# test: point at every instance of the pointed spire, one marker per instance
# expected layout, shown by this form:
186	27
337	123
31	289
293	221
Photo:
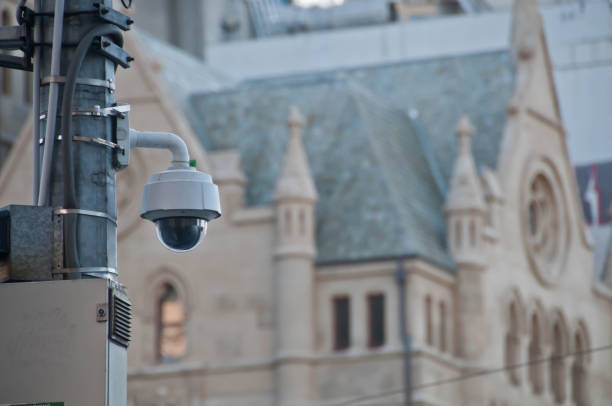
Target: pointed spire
465	190
295	180
464	131
295	120
526	27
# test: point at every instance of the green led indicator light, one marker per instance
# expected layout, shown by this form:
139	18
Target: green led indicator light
192	163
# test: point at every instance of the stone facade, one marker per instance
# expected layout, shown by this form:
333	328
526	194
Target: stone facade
499	265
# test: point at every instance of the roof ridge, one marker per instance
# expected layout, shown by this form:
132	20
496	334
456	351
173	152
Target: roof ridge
414	117
362	92
410	213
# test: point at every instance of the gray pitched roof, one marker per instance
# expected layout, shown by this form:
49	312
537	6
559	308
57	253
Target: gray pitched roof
380	174
181	72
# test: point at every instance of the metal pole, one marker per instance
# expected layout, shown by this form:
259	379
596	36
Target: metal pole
400	279
34	245
89	241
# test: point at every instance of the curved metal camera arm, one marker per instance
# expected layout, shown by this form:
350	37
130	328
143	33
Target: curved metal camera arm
180	200
161	140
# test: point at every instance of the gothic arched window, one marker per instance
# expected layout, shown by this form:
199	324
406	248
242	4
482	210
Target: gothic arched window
302	221
536	371
171	342
342	322
443	322
428	321
472	234
579	372
557	365
288	228
513	345
458	232
376	320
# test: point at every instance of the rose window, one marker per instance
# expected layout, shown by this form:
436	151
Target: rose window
544	223
542	219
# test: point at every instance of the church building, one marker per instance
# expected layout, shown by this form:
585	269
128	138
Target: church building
428	202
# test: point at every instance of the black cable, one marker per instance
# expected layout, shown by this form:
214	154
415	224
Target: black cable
128	5
470	376
70	201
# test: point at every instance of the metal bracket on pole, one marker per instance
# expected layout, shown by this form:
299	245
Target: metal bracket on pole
13	37
95	271
94	140
88	270
114	52
16	62
109	84
121	127
103	12
114	17
85	213
97	111
18	37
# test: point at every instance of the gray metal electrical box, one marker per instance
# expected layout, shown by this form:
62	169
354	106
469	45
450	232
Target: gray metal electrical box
27	236
64	343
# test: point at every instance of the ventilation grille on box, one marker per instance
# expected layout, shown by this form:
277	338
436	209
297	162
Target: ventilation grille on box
120	319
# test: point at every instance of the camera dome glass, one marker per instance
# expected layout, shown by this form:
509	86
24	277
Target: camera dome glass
180	234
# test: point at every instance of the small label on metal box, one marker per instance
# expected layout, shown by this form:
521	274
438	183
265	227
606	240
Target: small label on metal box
101	312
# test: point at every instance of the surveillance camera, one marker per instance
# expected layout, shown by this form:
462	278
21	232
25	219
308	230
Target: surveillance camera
180	201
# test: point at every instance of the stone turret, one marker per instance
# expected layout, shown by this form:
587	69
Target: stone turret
295	196
465	218
465	206
295	180
295	250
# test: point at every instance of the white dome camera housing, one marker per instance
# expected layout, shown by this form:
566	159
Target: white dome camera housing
180	201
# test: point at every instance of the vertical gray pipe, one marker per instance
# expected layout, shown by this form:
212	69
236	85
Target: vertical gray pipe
56	53
400	279
36	107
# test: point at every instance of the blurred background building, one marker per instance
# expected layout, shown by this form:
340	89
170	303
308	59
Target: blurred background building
178	22
462	143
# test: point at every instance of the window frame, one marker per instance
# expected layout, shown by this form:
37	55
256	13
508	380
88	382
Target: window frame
443	333
160	326
336	327
369	300
429	328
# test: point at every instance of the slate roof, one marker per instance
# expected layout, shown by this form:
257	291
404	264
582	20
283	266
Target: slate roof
182	73
380	172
